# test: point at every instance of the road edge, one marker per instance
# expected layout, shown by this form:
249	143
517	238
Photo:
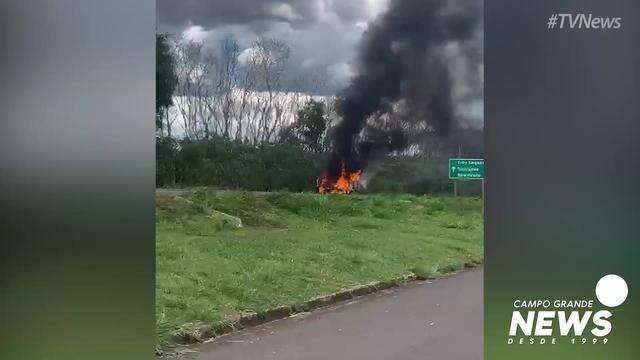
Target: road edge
199	333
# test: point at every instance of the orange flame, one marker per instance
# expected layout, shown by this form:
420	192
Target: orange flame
345	184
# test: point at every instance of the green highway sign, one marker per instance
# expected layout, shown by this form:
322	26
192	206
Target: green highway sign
466	169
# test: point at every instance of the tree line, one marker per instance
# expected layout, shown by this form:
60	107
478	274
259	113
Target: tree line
230	94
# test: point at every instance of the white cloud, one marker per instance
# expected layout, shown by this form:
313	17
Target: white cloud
375	7
284	11
341	73
246	55
195	33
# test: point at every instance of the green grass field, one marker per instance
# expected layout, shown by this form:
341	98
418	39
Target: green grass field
294	247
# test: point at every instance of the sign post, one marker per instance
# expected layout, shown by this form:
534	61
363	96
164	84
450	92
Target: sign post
467	169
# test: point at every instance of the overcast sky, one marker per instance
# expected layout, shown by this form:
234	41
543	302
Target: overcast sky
323	34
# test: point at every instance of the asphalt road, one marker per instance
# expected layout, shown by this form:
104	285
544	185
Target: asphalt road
440	319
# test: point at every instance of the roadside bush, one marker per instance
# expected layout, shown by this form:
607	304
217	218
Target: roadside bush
411	175
234	165
225	164
320	206
167	150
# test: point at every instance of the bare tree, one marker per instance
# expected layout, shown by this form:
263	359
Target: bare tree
220	96
268	61
193	68
224	82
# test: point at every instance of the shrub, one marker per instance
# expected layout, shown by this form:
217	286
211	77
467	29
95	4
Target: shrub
167	150
225	164
234	165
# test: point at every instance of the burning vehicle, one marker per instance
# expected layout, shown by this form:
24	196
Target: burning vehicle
346	183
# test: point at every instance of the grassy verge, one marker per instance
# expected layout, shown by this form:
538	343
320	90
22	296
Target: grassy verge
294	247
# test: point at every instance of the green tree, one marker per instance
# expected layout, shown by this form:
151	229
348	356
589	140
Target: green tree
166	78
309	127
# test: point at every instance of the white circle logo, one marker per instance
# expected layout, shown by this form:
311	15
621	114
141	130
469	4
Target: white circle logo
611	290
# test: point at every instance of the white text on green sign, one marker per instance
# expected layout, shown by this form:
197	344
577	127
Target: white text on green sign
460	169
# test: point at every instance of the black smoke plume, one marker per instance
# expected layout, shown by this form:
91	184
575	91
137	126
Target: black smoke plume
403	86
